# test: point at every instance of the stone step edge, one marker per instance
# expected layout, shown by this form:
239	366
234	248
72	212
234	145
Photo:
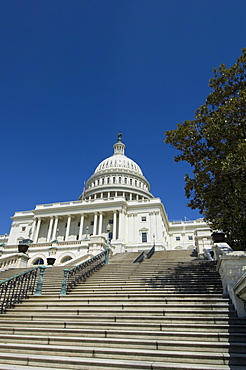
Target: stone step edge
147	365
97	351
216	320
65	324
155	342
108	332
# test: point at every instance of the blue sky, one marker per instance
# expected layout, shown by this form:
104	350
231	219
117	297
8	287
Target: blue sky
74	73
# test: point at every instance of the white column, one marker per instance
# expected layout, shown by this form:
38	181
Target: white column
130	196
68	227
115	225
121	224
50	229
37	230
95	224
156	225
100	223
81	225
55	228
33	229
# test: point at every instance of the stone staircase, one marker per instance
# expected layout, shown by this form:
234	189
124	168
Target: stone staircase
167	312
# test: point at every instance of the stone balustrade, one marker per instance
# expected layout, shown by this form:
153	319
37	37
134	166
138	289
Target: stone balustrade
17	260
232	268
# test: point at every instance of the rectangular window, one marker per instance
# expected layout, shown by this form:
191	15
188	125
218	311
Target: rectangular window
92	223
190	237
177	238
144	237
23	228
110	222
143	218
79	224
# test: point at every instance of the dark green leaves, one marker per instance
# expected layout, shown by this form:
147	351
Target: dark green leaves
214	143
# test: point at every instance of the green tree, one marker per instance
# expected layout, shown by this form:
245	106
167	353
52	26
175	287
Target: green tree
214	143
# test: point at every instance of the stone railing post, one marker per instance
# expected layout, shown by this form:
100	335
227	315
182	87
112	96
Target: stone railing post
40	281
64	283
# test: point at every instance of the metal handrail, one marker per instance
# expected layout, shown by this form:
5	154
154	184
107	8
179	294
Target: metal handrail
16	288
79	273
150	252
139	258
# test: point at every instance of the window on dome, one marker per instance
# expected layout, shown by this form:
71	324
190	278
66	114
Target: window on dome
130	181
136	182
125	180
108	180
119	180
144	237
113	180
102	181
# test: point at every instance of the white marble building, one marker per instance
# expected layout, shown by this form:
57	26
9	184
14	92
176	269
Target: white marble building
115	203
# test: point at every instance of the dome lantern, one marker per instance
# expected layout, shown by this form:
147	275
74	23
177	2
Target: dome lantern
119	147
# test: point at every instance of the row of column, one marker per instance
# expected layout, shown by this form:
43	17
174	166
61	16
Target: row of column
117	230
130	195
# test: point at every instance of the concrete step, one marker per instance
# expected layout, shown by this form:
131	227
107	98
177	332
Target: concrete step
135	343
121	333
154	315
136	354
76	363
122	317
231	326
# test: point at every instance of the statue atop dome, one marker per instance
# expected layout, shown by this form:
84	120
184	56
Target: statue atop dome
119	136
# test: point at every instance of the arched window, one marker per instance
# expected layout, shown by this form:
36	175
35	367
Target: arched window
65	259
38	261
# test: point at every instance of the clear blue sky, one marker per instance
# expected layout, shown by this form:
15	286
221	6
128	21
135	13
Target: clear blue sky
74	73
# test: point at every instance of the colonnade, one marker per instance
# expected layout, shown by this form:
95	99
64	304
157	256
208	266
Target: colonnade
87	223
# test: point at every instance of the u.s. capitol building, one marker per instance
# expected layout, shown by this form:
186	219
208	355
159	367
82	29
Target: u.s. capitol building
116	205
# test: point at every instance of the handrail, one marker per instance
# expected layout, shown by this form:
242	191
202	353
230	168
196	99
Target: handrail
150	252
139	258
16	288
79	273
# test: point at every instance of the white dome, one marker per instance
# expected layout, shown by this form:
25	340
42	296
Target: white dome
118	162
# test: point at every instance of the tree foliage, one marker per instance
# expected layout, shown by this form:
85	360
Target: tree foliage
214	143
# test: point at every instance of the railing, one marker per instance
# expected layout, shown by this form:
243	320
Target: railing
139	258
144	255
150	252
14	289
80	273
